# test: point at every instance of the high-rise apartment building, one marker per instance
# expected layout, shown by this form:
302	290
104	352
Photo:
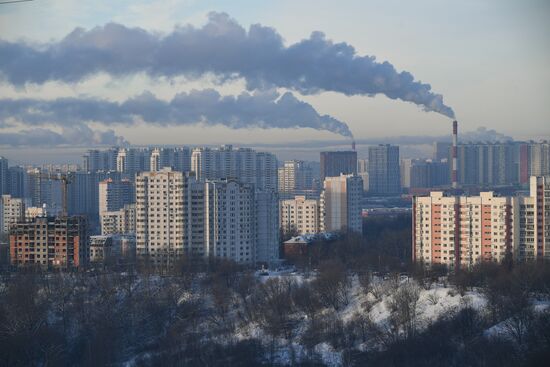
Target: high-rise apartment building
441	150
536	210
44	191
114	194
333	164
461	231
17	181
12	210
488	164
4	176
295	177
178	215
340	204
421	173
60	242
160	216
154	161
267	226
539	159
100	160
231	225
300	215
384	171
243	164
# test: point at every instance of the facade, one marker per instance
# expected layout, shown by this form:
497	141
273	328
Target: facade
177	215
160	216
384	171
155	162
4	176
421	173
340	204
488	164
17	181
333	164
122	221
230	214
12	210
300	216
441	150
44	191
294	177
100	160
461	231
60	242
267	226
243	164
114	194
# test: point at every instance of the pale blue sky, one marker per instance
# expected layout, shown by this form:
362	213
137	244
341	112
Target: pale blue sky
489	59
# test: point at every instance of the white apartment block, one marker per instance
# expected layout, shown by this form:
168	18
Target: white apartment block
461	231
160	216
154	160
12	210
340	204
532	234
230	221
300	215
242	164
121	221
179	215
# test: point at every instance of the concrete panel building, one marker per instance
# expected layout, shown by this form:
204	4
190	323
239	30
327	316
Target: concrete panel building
340	204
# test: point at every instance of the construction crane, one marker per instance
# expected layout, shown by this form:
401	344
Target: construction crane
65	179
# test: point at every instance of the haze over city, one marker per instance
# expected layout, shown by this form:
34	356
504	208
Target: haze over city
488	60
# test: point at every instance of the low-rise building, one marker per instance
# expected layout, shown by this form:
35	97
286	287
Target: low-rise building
50	242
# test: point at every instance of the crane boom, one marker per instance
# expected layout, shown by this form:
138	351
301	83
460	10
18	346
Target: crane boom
65	179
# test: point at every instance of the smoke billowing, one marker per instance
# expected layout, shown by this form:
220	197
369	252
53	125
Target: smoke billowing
223	48
260	109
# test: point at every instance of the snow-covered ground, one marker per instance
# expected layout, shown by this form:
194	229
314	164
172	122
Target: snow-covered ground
432	304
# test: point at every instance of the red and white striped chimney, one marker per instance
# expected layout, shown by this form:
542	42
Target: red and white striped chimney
454	177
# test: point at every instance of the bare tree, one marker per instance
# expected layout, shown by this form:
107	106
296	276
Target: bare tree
403	307
332	284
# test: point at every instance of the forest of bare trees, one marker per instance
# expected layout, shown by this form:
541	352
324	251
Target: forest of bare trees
228	315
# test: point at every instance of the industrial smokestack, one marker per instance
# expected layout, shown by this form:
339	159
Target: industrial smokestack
454	178
353	145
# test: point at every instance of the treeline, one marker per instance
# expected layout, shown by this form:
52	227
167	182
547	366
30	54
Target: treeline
385	246
230	316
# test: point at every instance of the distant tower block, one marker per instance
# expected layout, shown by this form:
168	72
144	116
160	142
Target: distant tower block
454	177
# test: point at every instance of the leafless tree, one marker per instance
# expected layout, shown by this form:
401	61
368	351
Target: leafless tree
403	307
332	284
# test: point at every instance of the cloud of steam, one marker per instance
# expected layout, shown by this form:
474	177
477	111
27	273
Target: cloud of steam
75	135
221	47
261	109
482	134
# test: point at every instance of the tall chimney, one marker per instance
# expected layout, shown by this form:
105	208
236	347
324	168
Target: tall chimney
454	177
353	145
